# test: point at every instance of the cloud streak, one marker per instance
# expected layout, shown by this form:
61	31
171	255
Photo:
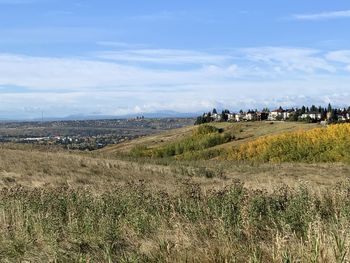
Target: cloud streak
323	15
164	56
290	59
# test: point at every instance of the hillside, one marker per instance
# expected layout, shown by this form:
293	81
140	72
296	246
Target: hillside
243	132
81	207
69	206
325	144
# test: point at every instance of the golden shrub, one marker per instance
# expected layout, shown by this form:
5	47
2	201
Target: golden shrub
326	144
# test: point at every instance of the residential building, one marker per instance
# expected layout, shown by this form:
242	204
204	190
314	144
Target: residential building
239	117
231	117
276	115
313	115
250	116
216	117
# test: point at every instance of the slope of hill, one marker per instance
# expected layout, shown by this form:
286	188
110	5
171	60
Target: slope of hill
240	133
80	207
325	144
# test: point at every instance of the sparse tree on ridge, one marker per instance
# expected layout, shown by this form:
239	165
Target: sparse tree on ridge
329	107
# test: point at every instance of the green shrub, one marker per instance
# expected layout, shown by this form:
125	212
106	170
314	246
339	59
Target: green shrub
202	138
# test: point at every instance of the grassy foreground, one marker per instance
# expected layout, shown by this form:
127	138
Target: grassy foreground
134	224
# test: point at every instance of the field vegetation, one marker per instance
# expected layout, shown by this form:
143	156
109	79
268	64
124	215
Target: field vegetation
134	224
112	206
326	144
203	137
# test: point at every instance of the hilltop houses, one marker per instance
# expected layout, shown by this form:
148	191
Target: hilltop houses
280	114
305	114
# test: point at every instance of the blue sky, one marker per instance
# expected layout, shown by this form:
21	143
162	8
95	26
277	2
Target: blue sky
120	57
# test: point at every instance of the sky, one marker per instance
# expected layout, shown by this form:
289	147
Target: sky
116	57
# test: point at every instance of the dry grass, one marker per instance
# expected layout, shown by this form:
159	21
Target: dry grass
37	168
58	206
245	131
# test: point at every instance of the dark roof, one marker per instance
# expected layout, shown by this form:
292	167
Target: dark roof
278	110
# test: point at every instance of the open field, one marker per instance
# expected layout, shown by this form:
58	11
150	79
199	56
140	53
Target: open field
69	206
38	168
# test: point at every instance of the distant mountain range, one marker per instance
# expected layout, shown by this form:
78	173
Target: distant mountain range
160	114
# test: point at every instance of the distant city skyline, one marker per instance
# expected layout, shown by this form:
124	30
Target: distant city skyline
134	57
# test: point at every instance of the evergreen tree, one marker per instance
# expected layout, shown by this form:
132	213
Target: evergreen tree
214	111
329	107
199	120
224	116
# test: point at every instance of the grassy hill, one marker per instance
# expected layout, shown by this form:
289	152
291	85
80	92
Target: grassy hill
240	133
64	206
251	141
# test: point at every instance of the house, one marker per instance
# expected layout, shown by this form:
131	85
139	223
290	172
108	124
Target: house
216	117
287	113
250	116
239	117
313	115
276	114
231	117
342	117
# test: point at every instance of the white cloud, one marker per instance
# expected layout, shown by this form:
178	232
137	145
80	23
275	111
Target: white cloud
290	59
251	77
323	15
81	74
164	56
339	56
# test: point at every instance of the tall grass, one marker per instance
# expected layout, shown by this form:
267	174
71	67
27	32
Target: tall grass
202	138
330	144
134	224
